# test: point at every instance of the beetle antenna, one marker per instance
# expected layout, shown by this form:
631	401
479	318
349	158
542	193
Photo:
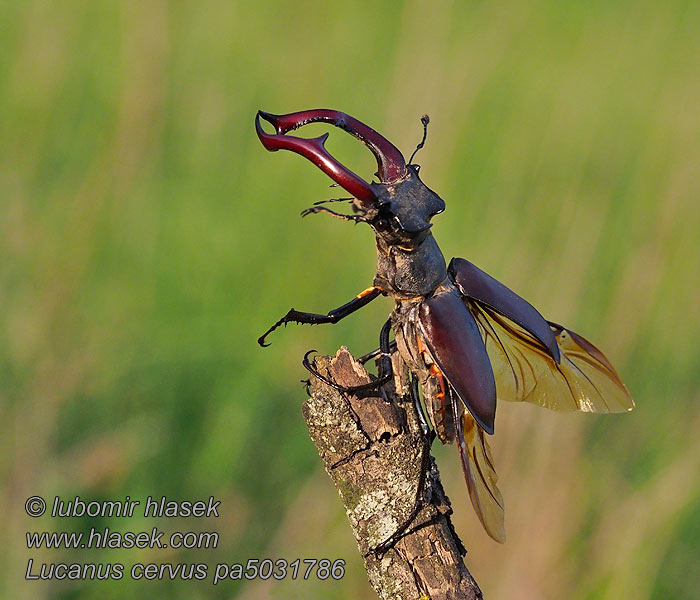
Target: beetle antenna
425	119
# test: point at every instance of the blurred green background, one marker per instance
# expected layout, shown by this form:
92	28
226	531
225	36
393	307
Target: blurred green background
148	239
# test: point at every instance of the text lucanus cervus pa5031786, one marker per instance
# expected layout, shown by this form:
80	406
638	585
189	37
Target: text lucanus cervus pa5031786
468	339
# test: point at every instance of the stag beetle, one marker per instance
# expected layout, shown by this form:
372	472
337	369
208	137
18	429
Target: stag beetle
467	338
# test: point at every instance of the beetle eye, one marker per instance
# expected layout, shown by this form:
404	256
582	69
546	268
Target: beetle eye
417	168
397	221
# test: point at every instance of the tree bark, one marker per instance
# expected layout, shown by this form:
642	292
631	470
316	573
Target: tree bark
374	450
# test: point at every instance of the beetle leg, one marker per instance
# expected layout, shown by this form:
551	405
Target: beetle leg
295	316
317	209
372	385
307	386
428	433
385	370
419	503
318	202
370	355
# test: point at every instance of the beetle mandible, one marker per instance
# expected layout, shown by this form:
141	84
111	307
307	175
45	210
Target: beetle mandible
468	338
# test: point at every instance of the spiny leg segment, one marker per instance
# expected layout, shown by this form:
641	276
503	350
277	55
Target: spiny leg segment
295	316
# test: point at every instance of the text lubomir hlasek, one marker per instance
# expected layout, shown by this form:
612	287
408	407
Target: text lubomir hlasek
153	507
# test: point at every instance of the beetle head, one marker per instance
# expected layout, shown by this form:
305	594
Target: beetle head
405	208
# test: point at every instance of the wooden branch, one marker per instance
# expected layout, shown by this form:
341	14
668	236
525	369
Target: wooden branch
373	450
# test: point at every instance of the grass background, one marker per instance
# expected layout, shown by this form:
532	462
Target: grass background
147	239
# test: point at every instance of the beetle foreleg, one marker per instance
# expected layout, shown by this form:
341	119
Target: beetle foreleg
317	209
319	202
295	316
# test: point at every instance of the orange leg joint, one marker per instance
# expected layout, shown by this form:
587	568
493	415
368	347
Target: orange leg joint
370	290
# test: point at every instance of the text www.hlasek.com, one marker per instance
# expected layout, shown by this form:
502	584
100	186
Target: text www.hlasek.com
104	538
